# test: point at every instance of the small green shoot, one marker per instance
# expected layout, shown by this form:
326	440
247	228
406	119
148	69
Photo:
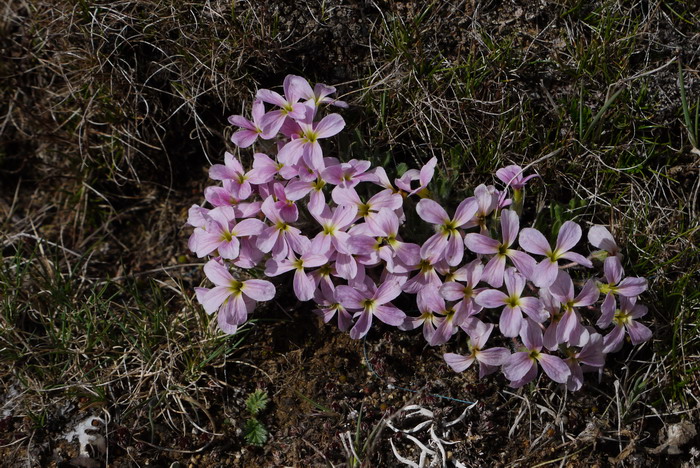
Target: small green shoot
255	432
257	402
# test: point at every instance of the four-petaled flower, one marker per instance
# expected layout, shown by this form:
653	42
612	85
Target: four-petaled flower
513	303
521	367
372	302
533	241
233	299
447	241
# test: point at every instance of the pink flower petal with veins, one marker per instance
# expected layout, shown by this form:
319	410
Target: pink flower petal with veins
533	241
260	290
554	367
457	362
431	211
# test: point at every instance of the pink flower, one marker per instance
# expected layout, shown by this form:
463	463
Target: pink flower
447	242
569	328
600	237
298	189
328	307
233	170
307	145
370	303
454	290
304	284
512	176
534	242
232	298
280	238
591	356
333	224
521	367
625	319
481	244
628	287
487	199
319	95
489	359
250	130
428	306
347	175
368	210
424	176
289	105
511	317
221	233
427	276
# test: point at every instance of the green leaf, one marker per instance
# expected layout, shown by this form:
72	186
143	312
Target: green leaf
254	432
257	401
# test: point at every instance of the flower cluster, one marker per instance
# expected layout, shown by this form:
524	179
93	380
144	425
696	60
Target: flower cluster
340	227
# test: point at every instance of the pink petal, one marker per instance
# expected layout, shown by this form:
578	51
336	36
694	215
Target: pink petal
510	321
563	287
466	211
515	282
638	333
613	270
534	242
297	189
221	172
533	308
362	325
244	138
249	227
443	333
349	297
229	249
329	126
612	342
578	258
304	286
632	286
455	250
608	311
510	224
600	237
491	299
568	237
268	238
457	362
211	299
518	365
271	97
291	152
431	211
390	315
549	339
218	273
524	263
545	273
481	244
259	290
493	356
531	334
388	291
554	367
427	172
589	294
435	246
452	291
